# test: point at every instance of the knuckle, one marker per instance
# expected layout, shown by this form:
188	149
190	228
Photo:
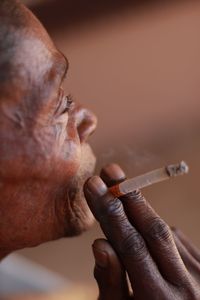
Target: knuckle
133	245
112	210
159	231
136	196
138	202
189	288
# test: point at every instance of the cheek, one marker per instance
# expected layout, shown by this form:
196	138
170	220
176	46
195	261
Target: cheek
58	152
42	153
60	130
68	160
68	149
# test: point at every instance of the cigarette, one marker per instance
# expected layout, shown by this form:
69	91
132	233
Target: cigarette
158	175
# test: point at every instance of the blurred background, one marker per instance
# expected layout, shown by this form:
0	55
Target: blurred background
136	65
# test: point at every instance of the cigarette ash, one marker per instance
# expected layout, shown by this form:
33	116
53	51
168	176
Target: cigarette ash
178	169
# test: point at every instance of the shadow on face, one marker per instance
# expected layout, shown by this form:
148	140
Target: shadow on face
45	158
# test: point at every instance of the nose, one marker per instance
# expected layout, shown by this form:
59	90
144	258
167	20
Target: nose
86	123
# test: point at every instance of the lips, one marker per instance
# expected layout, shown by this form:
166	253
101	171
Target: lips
81	217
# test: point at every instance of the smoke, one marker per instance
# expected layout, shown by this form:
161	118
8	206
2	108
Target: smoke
132	160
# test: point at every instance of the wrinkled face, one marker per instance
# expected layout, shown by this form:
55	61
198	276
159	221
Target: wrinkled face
44	155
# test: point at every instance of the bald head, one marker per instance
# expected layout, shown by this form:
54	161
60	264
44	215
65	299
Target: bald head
22	39
13	19
29	60
14	9
31	72
27	53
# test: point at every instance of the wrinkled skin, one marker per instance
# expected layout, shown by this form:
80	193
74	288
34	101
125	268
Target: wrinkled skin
44	161
161	263
44	155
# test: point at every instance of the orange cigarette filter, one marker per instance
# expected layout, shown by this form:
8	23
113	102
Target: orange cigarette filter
149	178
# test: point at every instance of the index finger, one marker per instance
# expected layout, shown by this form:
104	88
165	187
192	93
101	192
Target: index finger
125	239
153	229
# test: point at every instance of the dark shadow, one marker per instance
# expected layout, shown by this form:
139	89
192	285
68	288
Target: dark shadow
56	14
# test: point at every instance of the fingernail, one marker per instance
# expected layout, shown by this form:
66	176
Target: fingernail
96	186
101	257
113	171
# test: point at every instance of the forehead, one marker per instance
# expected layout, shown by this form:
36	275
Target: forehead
36	58
60	62
32	62
35	51
34	66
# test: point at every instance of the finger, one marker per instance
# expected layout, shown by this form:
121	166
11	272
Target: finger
157	235
112	174
124	238
192	249
151	226
109	272
190	262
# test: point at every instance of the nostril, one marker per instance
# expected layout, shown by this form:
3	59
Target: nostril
86	125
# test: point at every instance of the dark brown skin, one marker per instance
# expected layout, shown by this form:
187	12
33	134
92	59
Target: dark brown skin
44	162
44	155
161	263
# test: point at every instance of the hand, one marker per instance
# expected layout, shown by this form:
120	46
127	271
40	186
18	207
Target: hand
160	264
189	254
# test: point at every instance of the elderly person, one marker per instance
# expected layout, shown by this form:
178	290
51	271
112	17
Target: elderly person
44	162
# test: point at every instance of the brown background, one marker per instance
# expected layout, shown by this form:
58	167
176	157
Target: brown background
137	66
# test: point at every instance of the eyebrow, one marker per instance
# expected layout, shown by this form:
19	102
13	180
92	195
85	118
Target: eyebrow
66	65
62	65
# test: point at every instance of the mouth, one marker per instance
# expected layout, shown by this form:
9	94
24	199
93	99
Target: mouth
81	218
88	162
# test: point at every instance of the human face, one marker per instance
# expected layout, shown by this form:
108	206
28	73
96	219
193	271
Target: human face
44	155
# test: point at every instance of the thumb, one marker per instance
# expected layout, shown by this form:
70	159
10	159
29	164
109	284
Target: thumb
109	272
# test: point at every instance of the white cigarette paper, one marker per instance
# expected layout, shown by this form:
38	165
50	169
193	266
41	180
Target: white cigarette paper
149	178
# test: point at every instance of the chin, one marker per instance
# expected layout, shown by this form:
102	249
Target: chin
79	216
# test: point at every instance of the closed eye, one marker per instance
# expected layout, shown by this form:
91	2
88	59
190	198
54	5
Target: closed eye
68	103
65	103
